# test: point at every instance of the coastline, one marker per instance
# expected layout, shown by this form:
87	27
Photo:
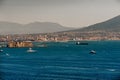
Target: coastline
44	43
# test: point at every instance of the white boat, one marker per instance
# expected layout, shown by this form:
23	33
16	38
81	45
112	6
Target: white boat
1	50
92	52
30	50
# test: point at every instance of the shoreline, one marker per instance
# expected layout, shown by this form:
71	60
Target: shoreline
44	43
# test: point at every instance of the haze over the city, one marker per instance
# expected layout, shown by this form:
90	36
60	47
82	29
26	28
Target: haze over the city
70	13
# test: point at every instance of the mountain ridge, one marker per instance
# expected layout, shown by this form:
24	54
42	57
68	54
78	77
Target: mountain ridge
112	25
31	28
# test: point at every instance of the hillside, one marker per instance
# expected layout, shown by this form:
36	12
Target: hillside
109	25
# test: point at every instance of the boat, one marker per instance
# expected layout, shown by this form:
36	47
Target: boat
1	50
42	45
81	43
30	50
92	52
7	54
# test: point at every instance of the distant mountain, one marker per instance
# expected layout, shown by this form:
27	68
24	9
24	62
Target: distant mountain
35	27
109	25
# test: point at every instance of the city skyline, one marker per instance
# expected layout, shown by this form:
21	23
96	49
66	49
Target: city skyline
70	13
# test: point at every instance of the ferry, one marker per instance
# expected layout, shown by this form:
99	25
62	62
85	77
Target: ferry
81	43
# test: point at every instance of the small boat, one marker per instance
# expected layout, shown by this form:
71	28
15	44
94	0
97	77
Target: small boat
30	50
1	50
92	52
7	54
42	45
81	43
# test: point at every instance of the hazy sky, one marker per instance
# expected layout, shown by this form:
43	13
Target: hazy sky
71	13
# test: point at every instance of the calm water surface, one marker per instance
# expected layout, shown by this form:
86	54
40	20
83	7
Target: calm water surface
62	61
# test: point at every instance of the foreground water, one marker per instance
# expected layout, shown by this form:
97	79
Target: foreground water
62	61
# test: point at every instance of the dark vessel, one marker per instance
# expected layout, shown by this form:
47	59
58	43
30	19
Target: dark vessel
81	43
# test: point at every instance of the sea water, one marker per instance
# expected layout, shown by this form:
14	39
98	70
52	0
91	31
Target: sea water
62	61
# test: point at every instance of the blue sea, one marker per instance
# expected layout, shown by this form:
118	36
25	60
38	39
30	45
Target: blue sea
62	61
